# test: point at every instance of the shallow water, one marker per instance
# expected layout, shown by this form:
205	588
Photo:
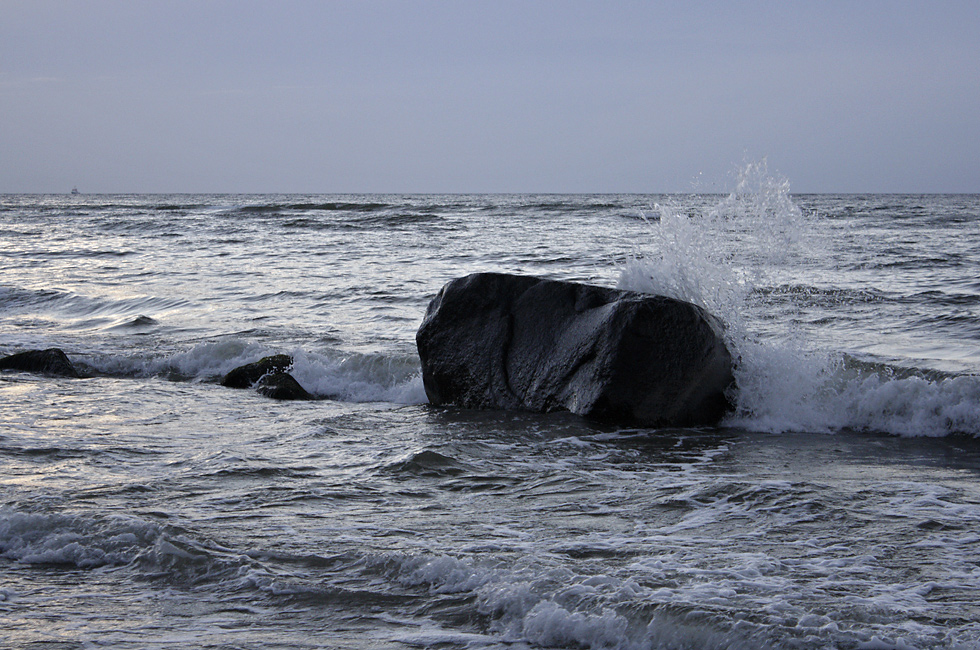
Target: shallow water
145	506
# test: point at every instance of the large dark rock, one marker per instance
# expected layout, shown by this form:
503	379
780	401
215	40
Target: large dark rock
246	376
499	341
52	361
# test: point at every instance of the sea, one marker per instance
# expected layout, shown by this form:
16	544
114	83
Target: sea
144	505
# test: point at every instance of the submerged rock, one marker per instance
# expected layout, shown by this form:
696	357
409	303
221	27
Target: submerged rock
498	341
246	376
141	321
282	386
52	361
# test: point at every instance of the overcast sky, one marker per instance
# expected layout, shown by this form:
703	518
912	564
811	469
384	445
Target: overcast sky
493	96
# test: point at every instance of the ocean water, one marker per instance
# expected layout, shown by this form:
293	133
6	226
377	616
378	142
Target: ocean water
146	506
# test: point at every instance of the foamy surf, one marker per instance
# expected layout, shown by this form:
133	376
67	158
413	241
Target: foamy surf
336	375
153	551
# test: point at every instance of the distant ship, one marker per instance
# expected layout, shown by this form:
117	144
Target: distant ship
74	190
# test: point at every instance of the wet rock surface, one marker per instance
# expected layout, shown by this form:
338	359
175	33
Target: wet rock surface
281	386
53	362
498	341
246	376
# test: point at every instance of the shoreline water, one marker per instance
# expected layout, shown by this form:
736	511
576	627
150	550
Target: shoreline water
149	507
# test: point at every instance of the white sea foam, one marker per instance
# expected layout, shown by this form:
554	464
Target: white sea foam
72	540
212	359
548	624
89	542
348	377
361	377
682	593
717	259
556	608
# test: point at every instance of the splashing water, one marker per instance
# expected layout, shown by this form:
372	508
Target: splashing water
716	260
753	239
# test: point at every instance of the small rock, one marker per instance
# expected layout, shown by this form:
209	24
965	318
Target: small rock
246	376
52	361
281	386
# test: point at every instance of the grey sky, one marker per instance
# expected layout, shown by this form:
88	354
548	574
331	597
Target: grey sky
456	96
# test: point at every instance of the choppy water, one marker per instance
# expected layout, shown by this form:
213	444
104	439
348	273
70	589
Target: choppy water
145	506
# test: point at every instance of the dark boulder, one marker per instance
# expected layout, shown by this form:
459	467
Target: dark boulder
52	361
246	376
281	386
499	341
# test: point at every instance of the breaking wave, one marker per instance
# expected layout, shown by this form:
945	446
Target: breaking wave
744	247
